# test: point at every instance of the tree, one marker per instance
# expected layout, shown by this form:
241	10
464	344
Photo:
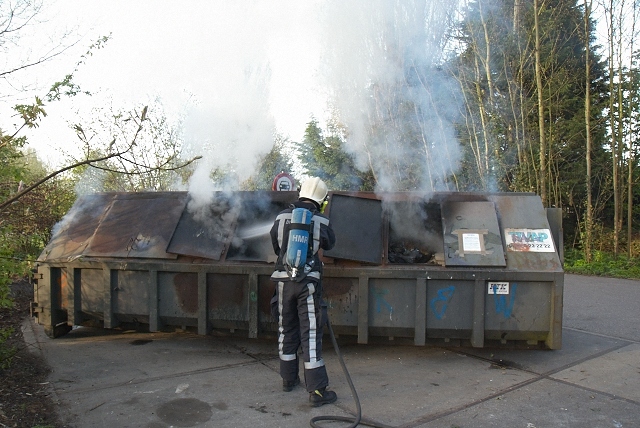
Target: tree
511	101
279	159
18	18
149	150
588	227
326	158
541	116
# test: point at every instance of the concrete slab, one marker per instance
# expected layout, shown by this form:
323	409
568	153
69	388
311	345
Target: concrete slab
616	373
397	384
216	398
158	380
88	361
170	379
576	346
606	306
540	405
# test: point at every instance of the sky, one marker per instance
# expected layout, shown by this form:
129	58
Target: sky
238	71
210	58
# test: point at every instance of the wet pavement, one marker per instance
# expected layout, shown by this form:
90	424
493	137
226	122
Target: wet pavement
103	378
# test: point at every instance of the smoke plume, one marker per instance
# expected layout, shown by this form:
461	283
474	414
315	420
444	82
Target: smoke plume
382	64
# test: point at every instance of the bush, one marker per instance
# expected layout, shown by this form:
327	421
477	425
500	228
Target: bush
6	352
603	264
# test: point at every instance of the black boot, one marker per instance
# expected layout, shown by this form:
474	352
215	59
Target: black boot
320	397
288	385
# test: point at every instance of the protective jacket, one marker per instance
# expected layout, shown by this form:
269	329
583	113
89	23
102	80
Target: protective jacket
323	237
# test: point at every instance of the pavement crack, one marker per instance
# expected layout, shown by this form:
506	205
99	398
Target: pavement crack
153	379
537	377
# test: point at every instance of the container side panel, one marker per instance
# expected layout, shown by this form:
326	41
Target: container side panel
92	291
178	294
449	308
266	289
341	296
392	303
522	309
132	293
227	297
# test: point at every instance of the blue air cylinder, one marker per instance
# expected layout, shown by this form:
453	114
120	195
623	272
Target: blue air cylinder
298	243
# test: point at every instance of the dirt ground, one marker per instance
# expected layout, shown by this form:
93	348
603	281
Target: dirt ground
25	400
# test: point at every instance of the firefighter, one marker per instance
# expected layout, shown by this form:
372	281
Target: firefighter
297	300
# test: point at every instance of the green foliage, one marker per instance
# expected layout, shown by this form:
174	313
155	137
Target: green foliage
6	352
279	159
602	264
326	158
31	113
7	271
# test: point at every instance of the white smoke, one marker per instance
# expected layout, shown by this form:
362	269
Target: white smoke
376	65
258	79
381	61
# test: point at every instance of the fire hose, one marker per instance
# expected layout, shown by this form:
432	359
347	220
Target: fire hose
353	420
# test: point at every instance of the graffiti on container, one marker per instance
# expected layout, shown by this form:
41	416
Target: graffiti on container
380	301
504	302
441	301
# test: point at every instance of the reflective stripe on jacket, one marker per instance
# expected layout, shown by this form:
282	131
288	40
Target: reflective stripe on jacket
323	237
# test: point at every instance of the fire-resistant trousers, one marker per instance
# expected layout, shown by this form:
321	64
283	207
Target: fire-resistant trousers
300	326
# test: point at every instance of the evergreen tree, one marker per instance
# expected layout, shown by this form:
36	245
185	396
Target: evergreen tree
279	159
326	158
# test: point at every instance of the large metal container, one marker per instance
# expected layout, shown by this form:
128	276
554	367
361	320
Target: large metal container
458	268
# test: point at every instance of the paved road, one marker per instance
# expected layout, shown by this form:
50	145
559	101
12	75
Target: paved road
160	380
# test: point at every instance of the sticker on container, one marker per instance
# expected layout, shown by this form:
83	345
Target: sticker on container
531	240
471	243
498	288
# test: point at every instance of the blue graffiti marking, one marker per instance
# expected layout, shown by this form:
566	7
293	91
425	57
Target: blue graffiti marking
379	294
502	307
444	296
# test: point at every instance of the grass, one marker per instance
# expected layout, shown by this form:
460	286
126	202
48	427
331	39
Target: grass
602	264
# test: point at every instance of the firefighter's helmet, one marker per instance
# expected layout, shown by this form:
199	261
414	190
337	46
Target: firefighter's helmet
314	189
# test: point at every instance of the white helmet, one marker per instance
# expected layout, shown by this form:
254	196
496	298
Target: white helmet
313	188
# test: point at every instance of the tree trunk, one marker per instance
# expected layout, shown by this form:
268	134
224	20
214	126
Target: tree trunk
542	137
631	159
588	226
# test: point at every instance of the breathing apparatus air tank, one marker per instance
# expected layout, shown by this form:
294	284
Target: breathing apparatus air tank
298	244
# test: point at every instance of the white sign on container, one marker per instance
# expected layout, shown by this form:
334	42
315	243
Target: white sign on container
531	240
498	288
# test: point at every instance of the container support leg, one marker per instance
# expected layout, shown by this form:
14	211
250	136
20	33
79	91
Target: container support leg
554	338
477	333
253	306
421	312
154	312
203	321
363	310
110	290
74	295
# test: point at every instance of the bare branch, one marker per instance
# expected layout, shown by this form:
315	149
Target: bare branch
148	169
53	174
